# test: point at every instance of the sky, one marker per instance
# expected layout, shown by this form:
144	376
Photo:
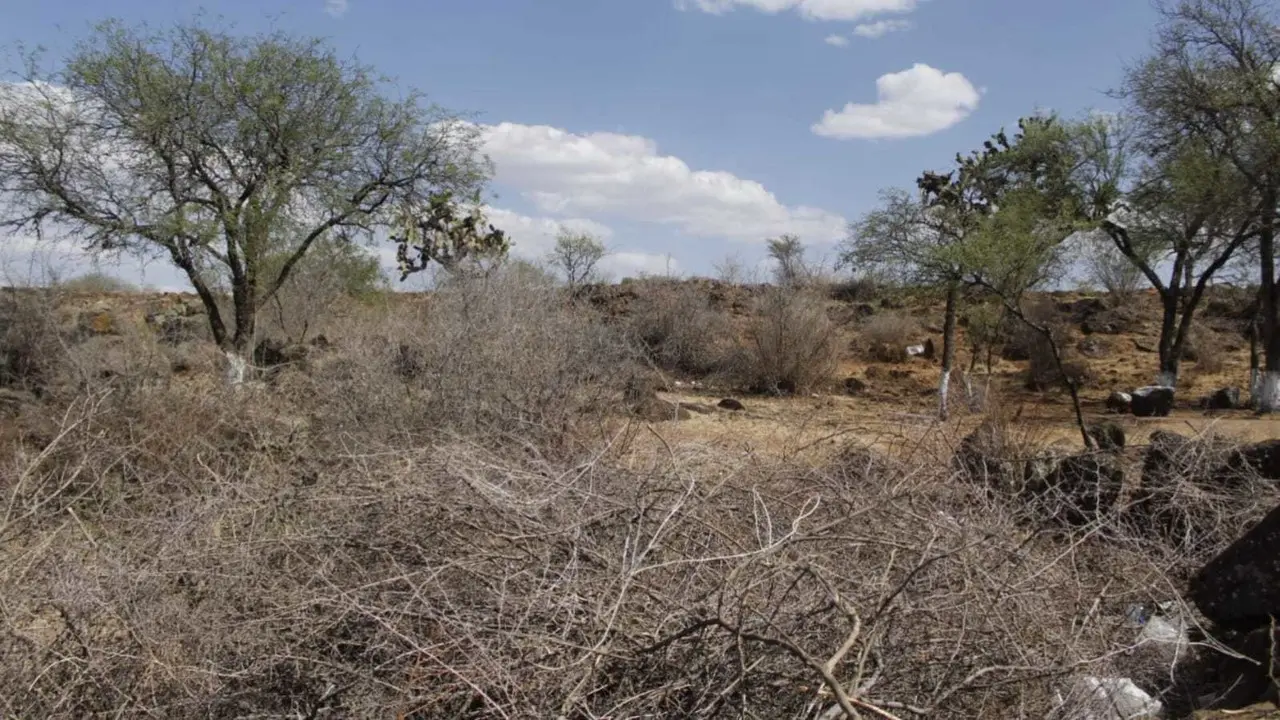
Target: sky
681	132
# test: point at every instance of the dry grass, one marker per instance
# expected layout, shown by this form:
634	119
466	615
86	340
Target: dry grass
445	514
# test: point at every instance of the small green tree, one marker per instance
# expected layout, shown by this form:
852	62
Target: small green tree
576	255
218	151
788	252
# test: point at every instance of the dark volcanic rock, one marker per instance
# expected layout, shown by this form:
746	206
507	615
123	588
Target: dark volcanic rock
731	404
1227	398
1108	435
1152	401
1079	490
1119	402
1240	588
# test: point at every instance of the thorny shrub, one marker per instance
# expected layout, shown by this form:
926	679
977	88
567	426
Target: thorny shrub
680	330
790	346
887	335
216	557
397	531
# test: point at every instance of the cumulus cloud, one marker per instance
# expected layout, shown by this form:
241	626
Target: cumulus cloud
918	101
836	40
336	8
619	175
880	28
533	237
847	10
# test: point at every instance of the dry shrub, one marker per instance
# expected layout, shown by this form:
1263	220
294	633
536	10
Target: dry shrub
680	330
887	335
30	346
791	345
214	557
496	356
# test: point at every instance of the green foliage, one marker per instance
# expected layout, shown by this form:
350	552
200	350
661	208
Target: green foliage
441	233
788	252
239	147
96	282
576	255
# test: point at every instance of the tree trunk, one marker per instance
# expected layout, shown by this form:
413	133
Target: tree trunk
948	348
1255	362
1170	344
1269	390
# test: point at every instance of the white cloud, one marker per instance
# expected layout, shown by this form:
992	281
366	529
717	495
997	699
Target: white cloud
533	237
336	8
880	28
625	176
836	40
918	101
847	10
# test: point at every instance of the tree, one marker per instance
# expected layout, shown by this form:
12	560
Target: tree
576	255
218	151
1211	76
788	252
1177	201
922	238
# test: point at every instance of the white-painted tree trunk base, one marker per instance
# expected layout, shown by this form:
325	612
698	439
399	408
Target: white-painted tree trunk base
237	369
1167	379
1269	397
944	384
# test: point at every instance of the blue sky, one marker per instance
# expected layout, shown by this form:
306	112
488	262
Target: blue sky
695	128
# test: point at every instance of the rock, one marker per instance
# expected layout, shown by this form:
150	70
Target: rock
983	458
655	409
1119	402
1152	401
854	386
1115	321
1144	345
1107	435
175	329
1247	678
1093	347
731	404
1240	588
1080	310
929	350
1227	398
700	408
1079	490
274	353
862	311
1261	458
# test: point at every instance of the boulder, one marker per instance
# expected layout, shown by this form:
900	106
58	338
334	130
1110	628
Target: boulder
854	386
1079	490
1119	402
1152	401
731	404
1227	398
929	350
1107	435
1240	588
982	457
1262	458
1093	347
1111	322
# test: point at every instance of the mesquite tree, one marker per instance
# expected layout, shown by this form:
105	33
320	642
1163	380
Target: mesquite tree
222	151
